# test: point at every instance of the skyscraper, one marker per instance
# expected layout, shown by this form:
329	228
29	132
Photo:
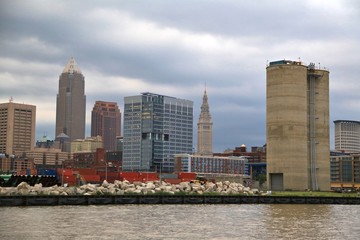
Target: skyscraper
71	103
17	127
297	126
347	136
155	128
106	122
204	129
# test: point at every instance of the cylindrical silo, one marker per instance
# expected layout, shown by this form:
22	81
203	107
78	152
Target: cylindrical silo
297	127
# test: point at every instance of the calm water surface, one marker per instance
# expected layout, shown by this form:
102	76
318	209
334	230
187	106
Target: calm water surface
181	222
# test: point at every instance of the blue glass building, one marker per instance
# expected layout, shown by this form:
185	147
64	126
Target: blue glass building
155	128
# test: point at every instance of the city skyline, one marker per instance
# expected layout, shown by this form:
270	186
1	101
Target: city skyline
172	49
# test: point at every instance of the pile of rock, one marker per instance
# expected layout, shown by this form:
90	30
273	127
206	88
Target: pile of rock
125	187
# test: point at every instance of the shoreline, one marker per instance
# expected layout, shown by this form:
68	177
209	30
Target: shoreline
56	200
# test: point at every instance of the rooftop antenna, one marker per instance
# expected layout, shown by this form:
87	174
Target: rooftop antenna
11	99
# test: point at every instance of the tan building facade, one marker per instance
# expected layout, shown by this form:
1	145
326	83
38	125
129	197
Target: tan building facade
204	129
48	156
17	127
297	127
89	144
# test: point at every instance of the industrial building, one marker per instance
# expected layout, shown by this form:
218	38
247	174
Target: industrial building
297	126
71	103
17	127
347	136
155	128
106	122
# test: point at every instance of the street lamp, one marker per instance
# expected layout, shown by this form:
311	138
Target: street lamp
62	174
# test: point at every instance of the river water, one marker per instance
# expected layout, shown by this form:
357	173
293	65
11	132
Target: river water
247	221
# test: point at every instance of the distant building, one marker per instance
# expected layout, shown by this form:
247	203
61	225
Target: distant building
17	127
297	126
257	154
256	158
214	165
89	144
155	128
44	142
204	129
100	160
71	103
47	157
345	170
106	122
347	136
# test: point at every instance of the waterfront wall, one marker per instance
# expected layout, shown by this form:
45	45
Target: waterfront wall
123	192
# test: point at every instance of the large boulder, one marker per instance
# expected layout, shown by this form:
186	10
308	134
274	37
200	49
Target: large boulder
23	185
105	184
150	185
38	187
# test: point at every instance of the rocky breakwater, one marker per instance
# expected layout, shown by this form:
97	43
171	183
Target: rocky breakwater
125	187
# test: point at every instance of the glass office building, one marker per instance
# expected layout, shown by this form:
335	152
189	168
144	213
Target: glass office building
155	128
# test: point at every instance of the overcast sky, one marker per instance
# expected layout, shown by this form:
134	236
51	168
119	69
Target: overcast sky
173	48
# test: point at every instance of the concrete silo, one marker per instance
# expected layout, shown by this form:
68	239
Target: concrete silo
297	126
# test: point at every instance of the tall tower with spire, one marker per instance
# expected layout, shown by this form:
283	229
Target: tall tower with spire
71	102
204	129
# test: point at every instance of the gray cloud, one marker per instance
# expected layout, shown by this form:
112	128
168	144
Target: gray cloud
128	47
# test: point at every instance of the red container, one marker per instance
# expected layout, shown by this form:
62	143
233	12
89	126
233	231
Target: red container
64	171
187	175
91	178
129	175
86	171
148	174
70	183
113	174
173	180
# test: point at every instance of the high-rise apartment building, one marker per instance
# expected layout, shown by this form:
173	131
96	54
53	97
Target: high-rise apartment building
204	129
155	128
297	126
71	103
106	122
17	127
347	136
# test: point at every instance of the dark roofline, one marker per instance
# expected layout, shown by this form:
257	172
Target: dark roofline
350	121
